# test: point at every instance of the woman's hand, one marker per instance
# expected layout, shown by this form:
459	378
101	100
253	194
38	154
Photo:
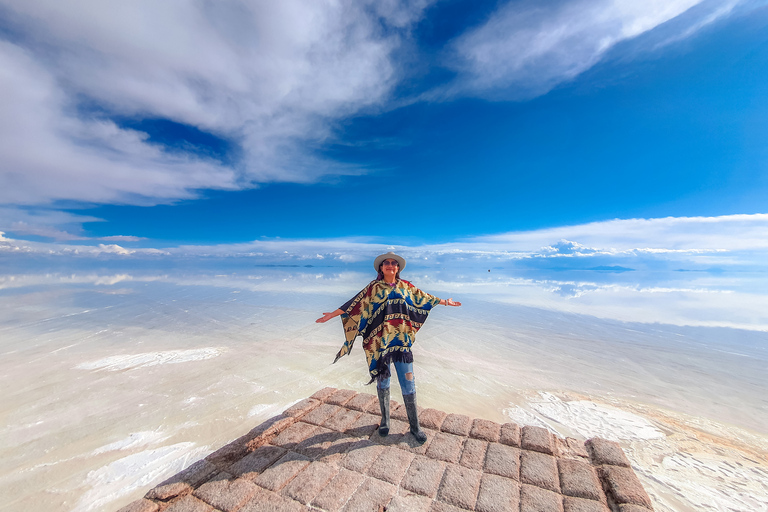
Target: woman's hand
451	302
328	316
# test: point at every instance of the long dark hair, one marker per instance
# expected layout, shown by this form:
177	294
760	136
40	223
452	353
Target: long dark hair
381	274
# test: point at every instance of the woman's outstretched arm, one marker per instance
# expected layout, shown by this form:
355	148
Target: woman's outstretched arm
328	316
449	302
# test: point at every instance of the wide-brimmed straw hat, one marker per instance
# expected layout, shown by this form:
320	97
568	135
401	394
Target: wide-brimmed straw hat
390	255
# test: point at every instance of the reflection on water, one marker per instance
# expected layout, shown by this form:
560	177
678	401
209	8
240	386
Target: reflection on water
120	376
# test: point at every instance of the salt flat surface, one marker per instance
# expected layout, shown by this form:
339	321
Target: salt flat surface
115	380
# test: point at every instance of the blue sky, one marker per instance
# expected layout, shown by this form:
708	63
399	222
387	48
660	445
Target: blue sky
411	123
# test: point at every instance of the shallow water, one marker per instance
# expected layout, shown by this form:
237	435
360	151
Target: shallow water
120	377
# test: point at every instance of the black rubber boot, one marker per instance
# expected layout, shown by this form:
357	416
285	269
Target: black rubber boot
413	418
384	404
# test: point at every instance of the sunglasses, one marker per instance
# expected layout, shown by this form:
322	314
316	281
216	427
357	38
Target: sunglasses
389	263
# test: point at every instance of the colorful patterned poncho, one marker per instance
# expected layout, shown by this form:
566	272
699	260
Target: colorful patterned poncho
387	317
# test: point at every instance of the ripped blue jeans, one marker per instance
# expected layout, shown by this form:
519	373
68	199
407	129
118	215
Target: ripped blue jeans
404	375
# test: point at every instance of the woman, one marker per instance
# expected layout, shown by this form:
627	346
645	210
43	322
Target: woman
387	314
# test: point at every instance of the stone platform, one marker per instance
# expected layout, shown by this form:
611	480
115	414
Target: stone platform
325	454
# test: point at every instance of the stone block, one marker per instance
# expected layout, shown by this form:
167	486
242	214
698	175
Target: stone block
334	453
570	448
321	414
423	476
432	418
256	462
372	495
486	430
364	426
536	499
268	501
405	501
539	469
627	507
397	430
603	451
338	491
341	397
375	407
398	412
310	482
537	439
459	486
261	434
315	445
510	434
323	394
503	460
282	471
391	465
361	455
293	435
184	481
409	443
298	410
342	420
573	504
473	455
622	486
439	506
457	424
578	478
498	494
141	505
188	503
226	493
362	401
446	447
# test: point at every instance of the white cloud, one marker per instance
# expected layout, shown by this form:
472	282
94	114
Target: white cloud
527	48
271	76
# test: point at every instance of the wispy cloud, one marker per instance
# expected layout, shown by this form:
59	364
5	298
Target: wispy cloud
271	77
527	48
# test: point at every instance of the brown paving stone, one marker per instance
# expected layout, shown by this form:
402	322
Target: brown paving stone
315	446
631	508
364	426
338	491
282	471
141	505
536	499
622	486
572	504
572	448
375	407
261	434
342	420
446	447
391	466
398	412
323	394
362	401
268	501
498	494
510	434
294	435
473	455
578	478
424	476
341	397
439	506
189	504
539	469
335	452
372	495
459	486
537	439
603	451
256	462
409	443
486	430
432	418
226	493
310	482
183	482
405	501
503	460
301	408
321	414
361	455
397	430
458	424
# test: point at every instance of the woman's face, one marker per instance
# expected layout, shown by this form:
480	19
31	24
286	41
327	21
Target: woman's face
389	268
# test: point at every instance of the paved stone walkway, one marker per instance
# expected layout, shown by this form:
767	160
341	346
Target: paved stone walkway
325	454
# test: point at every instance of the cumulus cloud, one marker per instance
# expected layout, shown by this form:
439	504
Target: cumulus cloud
271	77
526	48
